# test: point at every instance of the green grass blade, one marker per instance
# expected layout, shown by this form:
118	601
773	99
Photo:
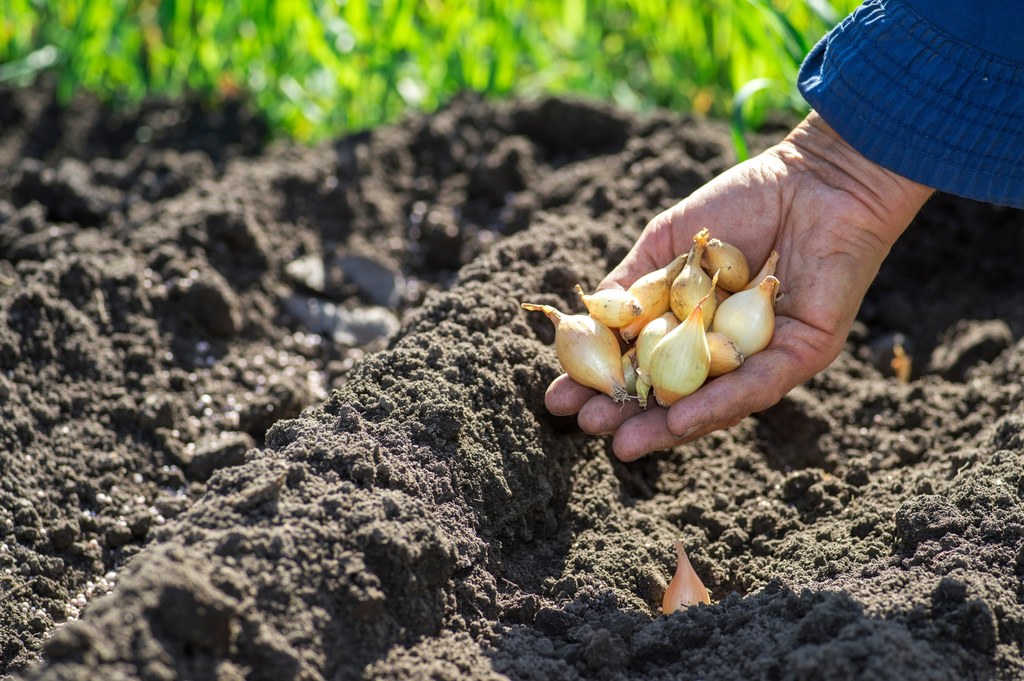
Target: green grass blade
737	122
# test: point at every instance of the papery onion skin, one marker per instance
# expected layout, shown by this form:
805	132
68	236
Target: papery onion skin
629	370
686	588
611	307
681	360
725	356
653	290
693	283
650	337
645	344
730	263
643	391
768	269
587	350
748	317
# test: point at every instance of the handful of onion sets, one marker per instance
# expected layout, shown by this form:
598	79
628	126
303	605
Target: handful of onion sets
696	318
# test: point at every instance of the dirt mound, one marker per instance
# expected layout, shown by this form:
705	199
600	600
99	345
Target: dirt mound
283	405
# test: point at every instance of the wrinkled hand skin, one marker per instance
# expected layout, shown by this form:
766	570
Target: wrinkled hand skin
832	215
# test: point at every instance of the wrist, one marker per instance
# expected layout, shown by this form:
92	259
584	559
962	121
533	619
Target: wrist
815	149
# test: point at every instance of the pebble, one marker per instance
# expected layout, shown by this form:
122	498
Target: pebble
307	271
377	284
354	327
214	304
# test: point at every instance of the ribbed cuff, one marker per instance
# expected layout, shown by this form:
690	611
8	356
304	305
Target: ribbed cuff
921	103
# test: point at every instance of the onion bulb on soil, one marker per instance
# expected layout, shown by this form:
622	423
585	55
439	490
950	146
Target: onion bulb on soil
611	307
685	589
653	291
748	317
587	350
730	264
693	283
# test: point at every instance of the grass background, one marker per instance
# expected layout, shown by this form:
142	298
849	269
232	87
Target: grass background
321	69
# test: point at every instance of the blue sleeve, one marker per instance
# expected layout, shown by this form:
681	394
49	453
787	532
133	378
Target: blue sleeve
930	89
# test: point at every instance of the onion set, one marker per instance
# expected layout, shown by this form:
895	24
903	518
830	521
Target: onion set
588	351
698	317
685	589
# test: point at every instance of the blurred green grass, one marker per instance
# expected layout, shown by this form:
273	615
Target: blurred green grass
320	69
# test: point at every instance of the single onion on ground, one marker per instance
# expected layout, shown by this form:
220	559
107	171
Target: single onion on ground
685	589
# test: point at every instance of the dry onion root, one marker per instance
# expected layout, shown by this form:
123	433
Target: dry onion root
689	324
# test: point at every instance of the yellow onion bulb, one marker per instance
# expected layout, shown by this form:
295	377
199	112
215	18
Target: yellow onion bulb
681	361
652	290
587	350
645	344
730	263
685	589
693	283
748	317
611	307
725	356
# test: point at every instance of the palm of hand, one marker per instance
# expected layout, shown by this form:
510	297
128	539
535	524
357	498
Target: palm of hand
831	237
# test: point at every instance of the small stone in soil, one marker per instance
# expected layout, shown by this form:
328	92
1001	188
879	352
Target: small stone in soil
377	284
307	271
344	326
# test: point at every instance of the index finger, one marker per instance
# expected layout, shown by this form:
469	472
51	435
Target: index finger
797	352
762	380
718	404
565	396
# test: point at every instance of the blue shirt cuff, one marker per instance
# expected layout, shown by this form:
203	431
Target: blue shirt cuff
936	108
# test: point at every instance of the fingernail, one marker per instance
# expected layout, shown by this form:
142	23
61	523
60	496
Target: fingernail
687	433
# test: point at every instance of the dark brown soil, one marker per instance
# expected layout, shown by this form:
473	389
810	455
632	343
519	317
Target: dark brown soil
221	455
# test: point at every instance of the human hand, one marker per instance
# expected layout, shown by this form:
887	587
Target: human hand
831	214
